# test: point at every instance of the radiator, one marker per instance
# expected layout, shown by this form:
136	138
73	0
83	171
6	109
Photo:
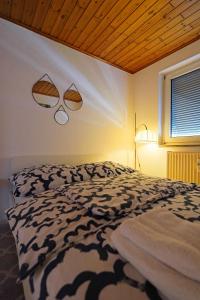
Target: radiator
183	166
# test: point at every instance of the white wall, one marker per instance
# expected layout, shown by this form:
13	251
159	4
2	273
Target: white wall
145	92
103	124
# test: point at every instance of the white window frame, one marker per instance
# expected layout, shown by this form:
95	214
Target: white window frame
165	138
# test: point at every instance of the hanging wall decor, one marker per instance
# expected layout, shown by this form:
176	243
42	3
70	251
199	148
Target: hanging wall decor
72	98
46	95
45	92
60	116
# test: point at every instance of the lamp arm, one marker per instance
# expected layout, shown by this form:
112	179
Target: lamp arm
136	130
146	129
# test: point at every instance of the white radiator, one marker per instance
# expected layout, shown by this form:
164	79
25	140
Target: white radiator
183	166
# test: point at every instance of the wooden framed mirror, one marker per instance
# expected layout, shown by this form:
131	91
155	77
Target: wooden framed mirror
72	98
45	92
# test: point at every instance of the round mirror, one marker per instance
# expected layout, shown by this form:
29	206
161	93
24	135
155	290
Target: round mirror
61	116
45	93
72	98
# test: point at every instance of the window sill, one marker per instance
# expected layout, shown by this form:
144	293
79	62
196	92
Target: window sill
179	144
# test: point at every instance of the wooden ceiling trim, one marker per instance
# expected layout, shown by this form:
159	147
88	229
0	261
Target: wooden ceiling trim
52	15
94	22
102	40
147	19
87	15
140	32
29	12
105	24
73	19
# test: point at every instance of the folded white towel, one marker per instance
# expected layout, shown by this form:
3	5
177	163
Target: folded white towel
171	283
170	239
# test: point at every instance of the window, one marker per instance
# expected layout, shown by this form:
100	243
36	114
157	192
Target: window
181	106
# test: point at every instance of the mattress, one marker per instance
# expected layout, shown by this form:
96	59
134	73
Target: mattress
63	235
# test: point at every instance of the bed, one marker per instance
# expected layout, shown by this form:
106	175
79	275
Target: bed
63	226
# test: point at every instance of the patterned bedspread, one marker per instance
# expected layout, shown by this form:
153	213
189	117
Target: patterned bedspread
63	235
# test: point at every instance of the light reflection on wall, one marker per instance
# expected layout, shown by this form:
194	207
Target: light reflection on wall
149	155
71	69
103	122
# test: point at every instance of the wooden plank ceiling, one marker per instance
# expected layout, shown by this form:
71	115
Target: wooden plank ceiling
127	34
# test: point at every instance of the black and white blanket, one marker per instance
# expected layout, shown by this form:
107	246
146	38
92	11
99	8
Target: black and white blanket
63	235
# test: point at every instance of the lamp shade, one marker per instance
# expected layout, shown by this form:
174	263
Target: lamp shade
145	136
141	137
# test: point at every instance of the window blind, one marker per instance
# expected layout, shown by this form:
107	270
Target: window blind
185	105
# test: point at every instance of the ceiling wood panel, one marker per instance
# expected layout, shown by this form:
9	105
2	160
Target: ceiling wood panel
87	15
94	22
40	13
28	12
127	44
143	17
17	7
166	49
69	25
52	15
5	7
149	55
127	34
104	29
148	36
